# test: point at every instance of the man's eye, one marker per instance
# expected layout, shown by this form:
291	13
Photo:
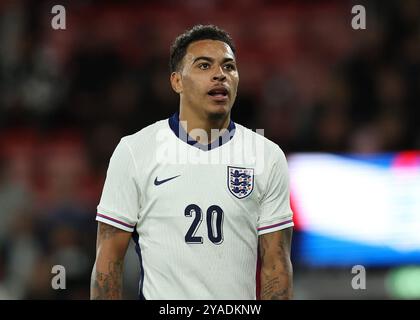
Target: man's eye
203	66
230	67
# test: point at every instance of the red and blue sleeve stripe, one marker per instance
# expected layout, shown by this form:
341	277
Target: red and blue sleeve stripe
275	225
114	220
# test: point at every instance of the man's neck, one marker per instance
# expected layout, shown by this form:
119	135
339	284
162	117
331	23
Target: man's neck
194	123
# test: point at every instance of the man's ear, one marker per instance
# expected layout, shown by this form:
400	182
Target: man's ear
176	82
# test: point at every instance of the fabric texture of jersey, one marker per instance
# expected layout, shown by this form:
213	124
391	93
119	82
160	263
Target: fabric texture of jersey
196	214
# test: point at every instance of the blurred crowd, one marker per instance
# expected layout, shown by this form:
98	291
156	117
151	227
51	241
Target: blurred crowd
67	97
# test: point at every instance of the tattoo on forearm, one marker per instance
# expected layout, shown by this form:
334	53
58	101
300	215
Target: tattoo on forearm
274	290
107	285
270	285
281	294
106	279
276	287
276	276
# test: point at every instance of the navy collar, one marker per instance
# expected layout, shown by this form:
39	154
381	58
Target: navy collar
180	132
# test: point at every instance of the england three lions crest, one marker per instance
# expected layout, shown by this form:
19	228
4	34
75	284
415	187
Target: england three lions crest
240	181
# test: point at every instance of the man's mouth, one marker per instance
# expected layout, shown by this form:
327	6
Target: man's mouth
219	93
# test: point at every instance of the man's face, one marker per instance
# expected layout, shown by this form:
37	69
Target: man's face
208	78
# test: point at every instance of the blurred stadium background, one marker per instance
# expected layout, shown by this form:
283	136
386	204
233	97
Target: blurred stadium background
342	103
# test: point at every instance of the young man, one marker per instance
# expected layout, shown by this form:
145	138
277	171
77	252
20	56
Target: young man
198	193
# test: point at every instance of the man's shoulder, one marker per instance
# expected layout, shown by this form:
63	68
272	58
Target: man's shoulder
145	136
257	136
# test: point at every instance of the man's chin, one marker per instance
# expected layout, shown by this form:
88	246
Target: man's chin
216	112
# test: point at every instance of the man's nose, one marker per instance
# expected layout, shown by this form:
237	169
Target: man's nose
219	75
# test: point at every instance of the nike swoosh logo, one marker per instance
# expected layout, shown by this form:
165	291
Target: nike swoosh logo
157	182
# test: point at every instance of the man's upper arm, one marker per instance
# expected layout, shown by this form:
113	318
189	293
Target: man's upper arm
275	211
119	205
118	208
275	246
117	217
112	242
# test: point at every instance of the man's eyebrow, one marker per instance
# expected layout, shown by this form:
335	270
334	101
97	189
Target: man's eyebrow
228	60
211	59
203	58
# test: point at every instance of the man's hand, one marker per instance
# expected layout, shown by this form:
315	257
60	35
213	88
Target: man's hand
276	267
111	246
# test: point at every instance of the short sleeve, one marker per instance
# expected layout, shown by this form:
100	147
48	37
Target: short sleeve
119	205
275	211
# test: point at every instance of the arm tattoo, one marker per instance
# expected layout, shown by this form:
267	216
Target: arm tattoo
105	231
276	272
107	285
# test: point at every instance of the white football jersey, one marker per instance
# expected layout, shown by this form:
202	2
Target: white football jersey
196	211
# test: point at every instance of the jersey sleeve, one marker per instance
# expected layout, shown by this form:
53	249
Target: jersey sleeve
275	211
120	201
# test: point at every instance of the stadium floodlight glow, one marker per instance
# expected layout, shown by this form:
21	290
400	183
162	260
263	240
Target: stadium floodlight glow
357	209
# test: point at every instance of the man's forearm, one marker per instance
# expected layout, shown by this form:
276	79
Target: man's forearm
276	282
106	281
276	268
107	273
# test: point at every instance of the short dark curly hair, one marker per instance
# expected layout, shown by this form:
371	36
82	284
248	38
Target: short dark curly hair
196	33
